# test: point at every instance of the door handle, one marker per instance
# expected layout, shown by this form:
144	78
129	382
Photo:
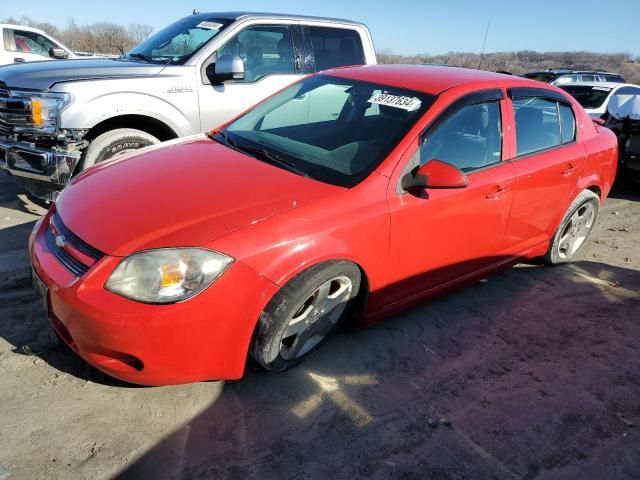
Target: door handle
496	193
569	170
18	60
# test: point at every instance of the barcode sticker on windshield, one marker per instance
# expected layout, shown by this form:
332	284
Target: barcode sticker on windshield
209	25
406	103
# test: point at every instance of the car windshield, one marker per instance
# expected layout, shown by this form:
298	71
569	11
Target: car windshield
176	43
588	96
331	129
540	76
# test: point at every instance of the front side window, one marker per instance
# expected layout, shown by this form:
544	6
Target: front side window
561	80
265	50
336	47
328	128
470	138
588	78
31	42
541	124
179	41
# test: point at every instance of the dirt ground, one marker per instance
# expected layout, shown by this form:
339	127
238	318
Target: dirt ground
533	373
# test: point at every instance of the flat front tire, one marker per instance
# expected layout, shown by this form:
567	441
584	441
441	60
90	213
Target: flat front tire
574	229
304	313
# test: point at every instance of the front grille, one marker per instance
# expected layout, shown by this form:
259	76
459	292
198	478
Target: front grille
4	91
13	111
5	128
57	229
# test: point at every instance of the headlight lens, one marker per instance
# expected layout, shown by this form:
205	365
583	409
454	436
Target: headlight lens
45	108
167	275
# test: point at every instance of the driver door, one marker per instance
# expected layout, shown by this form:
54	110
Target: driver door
440	236
271	56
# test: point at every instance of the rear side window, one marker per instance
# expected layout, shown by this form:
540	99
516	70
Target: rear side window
566	79
541	124
469	138
588	78
336	47
614	78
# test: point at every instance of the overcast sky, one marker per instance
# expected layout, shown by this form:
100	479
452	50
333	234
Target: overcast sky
406	27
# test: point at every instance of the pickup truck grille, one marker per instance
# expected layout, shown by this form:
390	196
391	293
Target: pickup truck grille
13	111
72	252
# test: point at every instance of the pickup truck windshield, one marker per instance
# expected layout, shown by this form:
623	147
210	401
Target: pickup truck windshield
176	43
331	129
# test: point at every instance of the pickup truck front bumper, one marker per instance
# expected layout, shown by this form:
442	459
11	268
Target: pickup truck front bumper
42	172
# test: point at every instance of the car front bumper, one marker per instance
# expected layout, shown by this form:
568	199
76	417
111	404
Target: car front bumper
206	337
43	172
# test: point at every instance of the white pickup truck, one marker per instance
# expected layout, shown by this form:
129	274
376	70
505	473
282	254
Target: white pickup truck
58	118
27	44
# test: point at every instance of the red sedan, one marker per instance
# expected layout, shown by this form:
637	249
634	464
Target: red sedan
359	190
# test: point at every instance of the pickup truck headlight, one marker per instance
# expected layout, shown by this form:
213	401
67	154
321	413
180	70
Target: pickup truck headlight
45	109
167	275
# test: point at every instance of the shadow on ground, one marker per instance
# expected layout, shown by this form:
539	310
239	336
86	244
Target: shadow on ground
538	371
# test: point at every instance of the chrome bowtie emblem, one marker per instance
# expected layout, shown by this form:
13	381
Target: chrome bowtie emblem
60	241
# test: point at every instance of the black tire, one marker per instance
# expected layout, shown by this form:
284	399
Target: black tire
276	352
115	142
585	201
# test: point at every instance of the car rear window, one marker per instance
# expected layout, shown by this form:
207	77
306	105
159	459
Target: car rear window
336	47
540	77
588	96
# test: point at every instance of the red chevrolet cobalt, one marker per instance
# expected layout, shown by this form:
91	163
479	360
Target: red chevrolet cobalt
359	190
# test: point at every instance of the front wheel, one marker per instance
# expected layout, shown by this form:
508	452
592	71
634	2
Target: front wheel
114	143
574	229
303	313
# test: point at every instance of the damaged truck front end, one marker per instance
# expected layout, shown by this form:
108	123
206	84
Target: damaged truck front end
33	148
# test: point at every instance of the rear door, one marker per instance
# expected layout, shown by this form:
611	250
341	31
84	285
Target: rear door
549	159
444	235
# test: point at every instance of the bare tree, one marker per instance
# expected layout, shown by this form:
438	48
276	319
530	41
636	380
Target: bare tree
139	32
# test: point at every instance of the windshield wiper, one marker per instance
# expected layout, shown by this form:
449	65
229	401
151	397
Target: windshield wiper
142	56
263	153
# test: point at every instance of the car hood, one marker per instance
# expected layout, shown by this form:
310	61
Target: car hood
186	194
45	74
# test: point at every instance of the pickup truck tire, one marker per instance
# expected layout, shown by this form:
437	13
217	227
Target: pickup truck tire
114	143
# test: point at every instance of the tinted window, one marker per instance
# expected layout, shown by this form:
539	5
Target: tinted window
541	77
614	78
588	78
469	138
567	123
336	47
265	50
537	124
331	129
588	96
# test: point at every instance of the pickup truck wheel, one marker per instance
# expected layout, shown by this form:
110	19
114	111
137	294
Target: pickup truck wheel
574	229
303	313
115	142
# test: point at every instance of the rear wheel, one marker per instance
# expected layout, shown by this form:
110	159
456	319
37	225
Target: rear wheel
574	229
116	142
303	314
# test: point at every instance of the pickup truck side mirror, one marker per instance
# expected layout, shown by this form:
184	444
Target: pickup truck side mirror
227	67
58	53
434	174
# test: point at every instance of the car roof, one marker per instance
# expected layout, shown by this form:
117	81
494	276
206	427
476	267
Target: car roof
20	27
257	15
430	79
599	84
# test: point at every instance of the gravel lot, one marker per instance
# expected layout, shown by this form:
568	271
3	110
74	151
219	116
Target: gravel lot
533	373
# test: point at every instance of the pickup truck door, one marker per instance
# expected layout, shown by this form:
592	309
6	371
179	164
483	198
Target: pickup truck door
26	46
272	55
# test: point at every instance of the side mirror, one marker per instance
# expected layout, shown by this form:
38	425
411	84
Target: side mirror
227	67
59	53
434	174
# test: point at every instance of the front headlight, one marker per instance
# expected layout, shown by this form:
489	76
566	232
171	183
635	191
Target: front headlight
45	108
167	275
